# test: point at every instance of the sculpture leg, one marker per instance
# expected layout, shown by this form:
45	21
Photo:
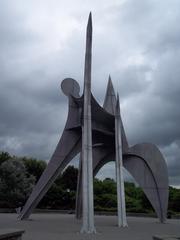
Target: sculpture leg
146	164
78	210
99	153
147	167
122	221
68	146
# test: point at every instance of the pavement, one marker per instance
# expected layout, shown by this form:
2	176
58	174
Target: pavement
52	226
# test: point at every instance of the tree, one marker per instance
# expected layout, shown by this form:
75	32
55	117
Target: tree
4	156
108	185
69	178
18	176
15	184
62	193
174	199
34	167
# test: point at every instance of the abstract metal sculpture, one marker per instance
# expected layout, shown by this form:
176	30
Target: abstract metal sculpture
98	133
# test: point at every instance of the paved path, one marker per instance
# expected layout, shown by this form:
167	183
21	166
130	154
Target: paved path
65	227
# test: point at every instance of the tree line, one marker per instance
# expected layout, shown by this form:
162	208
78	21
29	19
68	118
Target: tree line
18	175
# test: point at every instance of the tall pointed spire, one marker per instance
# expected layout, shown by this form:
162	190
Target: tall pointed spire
110	106
122	222
110	98
88	56
87	167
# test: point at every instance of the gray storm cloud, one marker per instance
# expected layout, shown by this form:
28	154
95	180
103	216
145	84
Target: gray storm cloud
137	42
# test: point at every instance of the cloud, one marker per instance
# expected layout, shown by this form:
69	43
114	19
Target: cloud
43	42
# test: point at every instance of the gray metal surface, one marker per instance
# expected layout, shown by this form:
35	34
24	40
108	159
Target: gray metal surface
144	161
87	169
122	221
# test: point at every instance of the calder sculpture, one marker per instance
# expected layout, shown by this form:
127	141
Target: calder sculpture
97	133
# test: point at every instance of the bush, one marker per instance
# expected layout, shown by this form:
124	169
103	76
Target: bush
15	185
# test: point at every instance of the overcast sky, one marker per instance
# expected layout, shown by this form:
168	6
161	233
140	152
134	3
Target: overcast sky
136	41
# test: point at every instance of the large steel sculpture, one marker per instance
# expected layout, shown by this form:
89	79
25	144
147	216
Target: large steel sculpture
98	133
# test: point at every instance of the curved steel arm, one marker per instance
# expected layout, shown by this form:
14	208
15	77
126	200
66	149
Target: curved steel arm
148	167
68	147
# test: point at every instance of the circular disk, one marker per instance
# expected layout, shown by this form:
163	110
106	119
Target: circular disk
70	86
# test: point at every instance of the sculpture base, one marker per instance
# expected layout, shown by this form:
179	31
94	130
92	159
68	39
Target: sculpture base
88	231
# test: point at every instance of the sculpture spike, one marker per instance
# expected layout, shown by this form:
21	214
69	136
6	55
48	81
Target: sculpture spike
122	222
110	106
88	56
110	98
87	166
